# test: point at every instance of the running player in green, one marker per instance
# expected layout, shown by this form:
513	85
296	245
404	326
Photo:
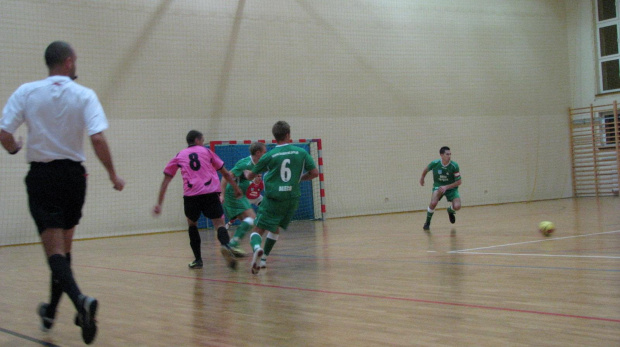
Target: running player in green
241	208
447	179
283	169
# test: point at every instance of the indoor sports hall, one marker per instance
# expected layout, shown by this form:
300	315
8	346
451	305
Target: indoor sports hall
523	92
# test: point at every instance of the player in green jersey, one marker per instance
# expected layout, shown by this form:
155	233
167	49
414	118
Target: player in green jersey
447	179
283	169
241	208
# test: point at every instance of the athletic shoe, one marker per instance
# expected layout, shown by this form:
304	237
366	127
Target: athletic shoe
263	262
255	259
196	264
86	318
47	320
452	217
237	252
427	226
229	257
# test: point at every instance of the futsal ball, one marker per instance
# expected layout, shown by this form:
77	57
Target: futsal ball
546	228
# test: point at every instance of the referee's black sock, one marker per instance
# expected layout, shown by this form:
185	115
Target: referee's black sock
61	271
194	241
56	291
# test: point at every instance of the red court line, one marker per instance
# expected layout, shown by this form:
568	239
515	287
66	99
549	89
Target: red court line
321	291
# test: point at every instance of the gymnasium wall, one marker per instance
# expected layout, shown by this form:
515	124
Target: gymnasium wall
385	84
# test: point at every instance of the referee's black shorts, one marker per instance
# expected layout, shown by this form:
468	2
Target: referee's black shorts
56	193
209	204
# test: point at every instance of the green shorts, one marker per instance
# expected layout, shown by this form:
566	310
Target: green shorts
275	213
450	194
234	207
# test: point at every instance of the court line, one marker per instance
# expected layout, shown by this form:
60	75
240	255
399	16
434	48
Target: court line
25	337
437	262
534	241
409	261
544	255
372	296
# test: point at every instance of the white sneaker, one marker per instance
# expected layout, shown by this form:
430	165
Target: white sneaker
255	259
263	262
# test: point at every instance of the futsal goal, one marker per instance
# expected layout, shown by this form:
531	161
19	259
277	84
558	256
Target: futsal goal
312	201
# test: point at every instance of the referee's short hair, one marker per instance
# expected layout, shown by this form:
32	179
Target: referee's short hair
56	53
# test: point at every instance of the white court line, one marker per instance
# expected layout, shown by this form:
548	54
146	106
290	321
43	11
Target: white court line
470	250
542	255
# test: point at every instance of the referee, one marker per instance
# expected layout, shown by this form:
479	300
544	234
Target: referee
58	112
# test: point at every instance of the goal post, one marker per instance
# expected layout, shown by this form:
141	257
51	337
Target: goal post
312	201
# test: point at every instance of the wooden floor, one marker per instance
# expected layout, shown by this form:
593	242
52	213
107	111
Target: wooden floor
489	280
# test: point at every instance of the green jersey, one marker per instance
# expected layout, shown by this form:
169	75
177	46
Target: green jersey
242	165
444	175
283	167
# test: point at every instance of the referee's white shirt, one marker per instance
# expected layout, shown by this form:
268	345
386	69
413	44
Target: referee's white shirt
57	112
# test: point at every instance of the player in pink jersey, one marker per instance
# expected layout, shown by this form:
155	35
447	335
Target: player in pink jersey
201	193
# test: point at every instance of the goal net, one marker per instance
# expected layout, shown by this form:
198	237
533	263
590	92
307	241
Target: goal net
312	201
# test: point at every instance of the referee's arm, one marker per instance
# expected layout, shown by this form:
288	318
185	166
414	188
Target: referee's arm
9	143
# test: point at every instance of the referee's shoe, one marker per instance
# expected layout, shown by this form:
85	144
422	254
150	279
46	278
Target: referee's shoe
86	318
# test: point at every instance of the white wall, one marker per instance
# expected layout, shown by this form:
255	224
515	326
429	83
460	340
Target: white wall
385	84
582	52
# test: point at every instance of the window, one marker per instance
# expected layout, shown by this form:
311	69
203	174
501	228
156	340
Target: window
607	23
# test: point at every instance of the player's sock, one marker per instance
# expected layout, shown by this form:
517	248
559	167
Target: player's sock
451	210
246	225
223	236
194	241
55	295
270	242
429	216
56	291
62	271
255	241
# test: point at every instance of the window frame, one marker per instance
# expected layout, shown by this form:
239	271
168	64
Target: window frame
615	21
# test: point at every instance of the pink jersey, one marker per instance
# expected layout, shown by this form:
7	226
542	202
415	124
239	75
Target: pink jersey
199	168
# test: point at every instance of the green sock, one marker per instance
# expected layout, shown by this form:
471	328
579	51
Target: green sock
451	210
240	233
269	243
255	241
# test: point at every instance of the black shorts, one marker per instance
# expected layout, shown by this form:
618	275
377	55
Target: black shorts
56	193
209	204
